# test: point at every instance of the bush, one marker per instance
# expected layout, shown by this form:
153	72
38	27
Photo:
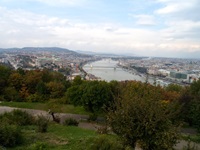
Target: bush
42	124
104	143
38	146
103	130
71	122
10	135
36	98
17	117
190	146
92	117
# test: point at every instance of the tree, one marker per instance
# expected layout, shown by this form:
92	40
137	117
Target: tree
46	76
24	92
195	88
92	95
4	75
56	89
57	77
194	105
140	115
31	79
16	80
74	95
21	71
77	81
174	88
96	95
10	94
41	88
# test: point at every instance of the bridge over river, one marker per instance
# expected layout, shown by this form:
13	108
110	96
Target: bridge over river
102	67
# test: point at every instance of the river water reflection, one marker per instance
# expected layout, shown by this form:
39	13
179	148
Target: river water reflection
108	70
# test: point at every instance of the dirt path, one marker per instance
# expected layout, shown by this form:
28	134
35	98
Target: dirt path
62	116
82	123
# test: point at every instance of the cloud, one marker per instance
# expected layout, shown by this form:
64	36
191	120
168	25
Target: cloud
182	24
20	28
144	19
62	2
180	9
184	29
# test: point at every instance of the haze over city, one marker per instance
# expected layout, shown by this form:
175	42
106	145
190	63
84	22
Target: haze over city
167	28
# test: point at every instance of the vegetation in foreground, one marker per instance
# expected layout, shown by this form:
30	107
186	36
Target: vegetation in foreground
23	134
56	107
140	105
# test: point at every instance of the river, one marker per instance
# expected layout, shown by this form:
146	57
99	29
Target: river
107	70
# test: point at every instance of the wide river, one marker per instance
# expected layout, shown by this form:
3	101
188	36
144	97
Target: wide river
108	70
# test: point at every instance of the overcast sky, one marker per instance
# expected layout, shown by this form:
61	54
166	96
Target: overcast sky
168	28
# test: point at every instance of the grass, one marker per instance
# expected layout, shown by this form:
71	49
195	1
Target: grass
193	138
60	108
77	138
58	137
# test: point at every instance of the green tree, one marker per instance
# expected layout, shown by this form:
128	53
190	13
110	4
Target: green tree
77	81
24	92
57	77
186	100
194	105
174	88
10	94
21	71
16	80
141	116
92	95
31	80
46	76
115	88
74	95
41	88
4	75
96	95
56	89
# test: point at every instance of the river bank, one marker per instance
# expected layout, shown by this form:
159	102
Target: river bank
108	70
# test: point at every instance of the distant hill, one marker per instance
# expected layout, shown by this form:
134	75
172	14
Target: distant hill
74	52
52	49
105	54
38	49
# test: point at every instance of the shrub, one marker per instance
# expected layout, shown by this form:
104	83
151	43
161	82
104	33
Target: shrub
42	124
10	135
35	98
92	117
104	143
103	130
17	117
71	122
38	146
22	117
190	146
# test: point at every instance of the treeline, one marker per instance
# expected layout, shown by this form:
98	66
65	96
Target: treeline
95	96
32	86
136	111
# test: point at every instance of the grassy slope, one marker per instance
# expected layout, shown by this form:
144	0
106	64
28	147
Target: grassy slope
62	108
58	137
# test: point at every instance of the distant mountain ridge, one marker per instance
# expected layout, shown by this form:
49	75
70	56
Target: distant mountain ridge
58	49
104	54
39	49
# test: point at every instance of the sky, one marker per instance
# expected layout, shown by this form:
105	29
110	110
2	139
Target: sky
166	28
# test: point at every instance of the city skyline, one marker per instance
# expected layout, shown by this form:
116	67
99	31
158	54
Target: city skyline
168	28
